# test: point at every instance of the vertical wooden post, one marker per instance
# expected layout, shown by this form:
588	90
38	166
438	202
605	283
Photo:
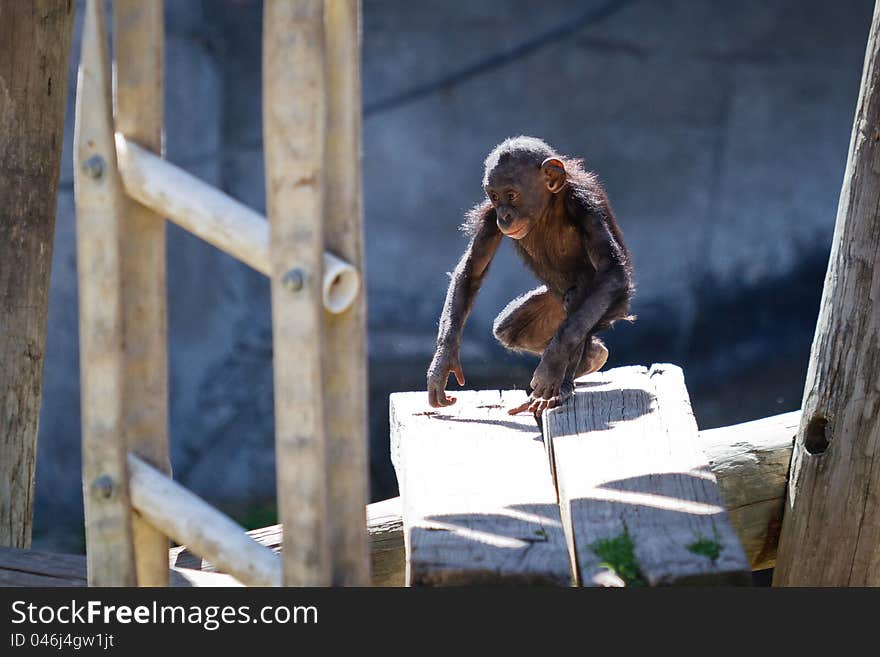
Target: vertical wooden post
294	136
831	526
100	201
345	354
138	44
34	50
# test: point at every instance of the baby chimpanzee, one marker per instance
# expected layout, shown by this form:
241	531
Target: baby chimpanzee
563	228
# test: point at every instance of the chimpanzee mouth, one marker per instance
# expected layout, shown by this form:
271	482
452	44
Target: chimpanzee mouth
519	234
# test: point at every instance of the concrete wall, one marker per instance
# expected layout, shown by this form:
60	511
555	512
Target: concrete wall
719	129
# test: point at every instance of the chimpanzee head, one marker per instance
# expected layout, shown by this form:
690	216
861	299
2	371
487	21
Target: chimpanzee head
521	177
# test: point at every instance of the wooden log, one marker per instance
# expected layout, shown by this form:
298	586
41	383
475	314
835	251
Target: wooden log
100	202
387	553
345	347
479	506
218	218
35	46
750	461
294	136
138	39
32	568
384	526
188	519
639	502
831	526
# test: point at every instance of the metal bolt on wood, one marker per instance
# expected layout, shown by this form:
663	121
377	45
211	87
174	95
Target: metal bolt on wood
94	166
104	486
294	280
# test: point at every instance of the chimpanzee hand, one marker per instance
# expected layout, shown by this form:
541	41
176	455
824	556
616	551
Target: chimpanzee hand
550	388
445	362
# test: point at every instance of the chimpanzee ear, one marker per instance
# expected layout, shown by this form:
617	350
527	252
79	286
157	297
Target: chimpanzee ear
554	174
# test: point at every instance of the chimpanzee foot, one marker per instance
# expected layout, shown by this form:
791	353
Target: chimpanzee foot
537	405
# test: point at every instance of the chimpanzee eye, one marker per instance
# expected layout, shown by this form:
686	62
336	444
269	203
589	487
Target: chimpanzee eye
511	196
493	197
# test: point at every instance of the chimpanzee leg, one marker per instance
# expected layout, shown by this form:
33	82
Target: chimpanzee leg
530	321
592	358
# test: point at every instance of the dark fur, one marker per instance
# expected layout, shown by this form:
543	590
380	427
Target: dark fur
583	194
575	248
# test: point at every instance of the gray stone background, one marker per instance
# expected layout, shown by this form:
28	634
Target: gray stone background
719	128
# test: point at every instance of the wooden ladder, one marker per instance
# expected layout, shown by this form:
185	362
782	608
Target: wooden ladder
124	190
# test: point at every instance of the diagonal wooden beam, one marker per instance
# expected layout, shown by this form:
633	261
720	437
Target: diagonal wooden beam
831	527
188	519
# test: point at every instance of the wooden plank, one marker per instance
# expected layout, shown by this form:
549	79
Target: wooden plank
188	519
831	526
32	568
345	348
479	505
384	526
35	38
635	489
294	137
138	40
751	461
99	205
35	567
218	218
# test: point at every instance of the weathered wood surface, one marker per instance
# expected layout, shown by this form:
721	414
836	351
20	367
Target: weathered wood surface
99	206
831	526
186	518
138	46
387	553
294	136
218	218
34	50
33	568
479	504
751	461
345	347
629	469
385	529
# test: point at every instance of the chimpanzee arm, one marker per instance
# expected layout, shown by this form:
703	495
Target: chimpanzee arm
463	288
468	276
610	282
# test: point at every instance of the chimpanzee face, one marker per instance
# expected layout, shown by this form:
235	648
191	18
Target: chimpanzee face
520	193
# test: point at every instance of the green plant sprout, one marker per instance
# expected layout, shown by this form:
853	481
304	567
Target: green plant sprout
616	554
